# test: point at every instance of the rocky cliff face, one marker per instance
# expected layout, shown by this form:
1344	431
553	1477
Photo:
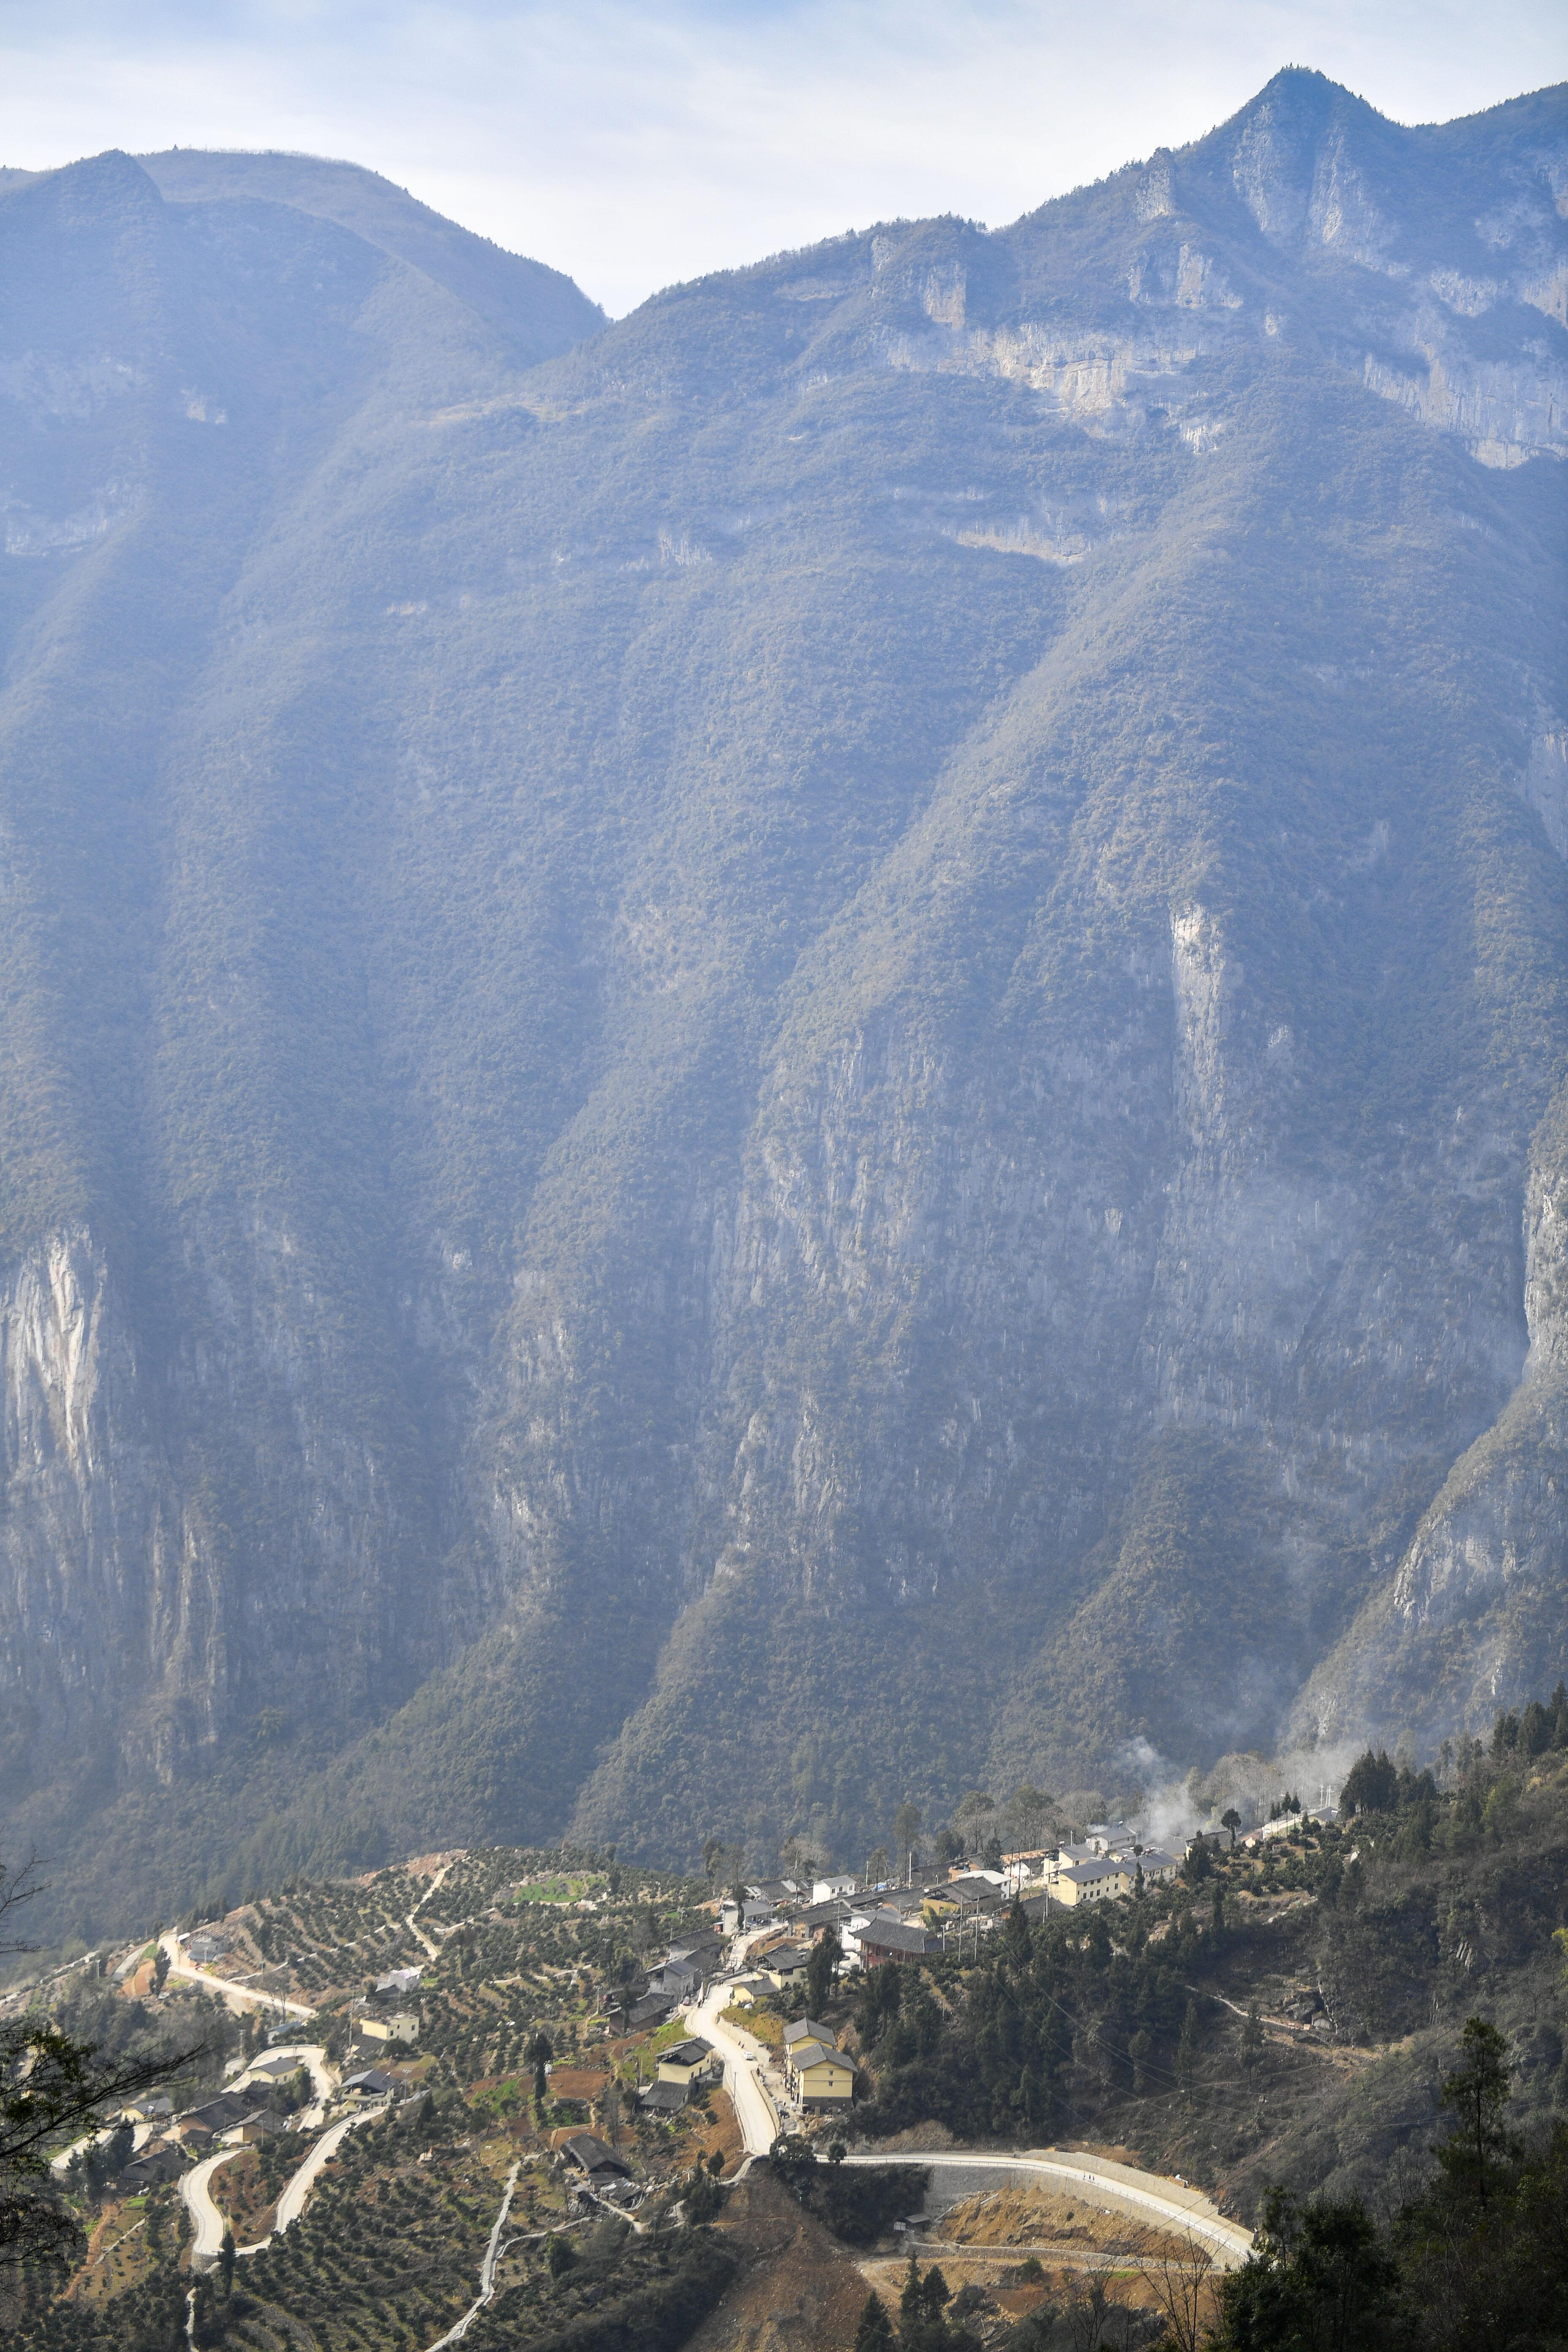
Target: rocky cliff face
805	1059
1476	1609
95	1596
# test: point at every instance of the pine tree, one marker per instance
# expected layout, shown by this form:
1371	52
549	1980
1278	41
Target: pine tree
911	2311
1187	2051
875	2332
1475	2093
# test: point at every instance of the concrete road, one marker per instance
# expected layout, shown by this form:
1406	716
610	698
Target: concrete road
62	2157
197	2199
311	2055
756	2103
291	2204
236	1996
1146	2197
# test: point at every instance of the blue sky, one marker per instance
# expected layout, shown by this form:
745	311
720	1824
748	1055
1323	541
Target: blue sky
634	145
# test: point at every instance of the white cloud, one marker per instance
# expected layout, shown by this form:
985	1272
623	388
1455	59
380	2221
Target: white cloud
634	145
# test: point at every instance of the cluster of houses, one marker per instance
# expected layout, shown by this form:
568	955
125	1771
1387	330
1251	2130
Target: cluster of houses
235	2117
231	2119
935	1910
249	2110
942	1909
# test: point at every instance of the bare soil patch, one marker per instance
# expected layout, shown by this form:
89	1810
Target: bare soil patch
798	2289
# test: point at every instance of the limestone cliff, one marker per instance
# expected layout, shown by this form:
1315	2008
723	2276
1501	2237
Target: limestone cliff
802	1058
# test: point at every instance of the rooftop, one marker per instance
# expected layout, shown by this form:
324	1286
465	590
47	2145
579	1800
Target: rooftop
687	2054
806	2029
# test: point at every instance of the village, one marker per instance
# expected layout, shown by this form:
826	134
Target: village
760	1939
775	1943
765	1946
611	2034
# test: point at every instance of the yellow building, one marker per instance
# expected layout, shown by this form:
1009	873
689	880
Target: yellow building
687	2063
404	2027
1093	1882
822	2076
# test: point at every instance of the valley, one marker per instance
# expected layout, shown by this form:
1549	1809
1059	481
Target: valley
879	952
784	1265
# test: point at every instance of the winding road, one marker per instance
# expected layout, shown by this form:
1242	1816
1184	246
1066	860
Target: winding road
291	2204
197	2199
208	2217
1147	2196
311	2055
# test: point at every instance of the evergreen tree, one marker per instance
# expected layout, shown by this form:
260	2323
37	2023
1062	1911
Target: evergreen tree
1320	2281
1372	1785
875	2331
1187	2049
1476	2094
822	1968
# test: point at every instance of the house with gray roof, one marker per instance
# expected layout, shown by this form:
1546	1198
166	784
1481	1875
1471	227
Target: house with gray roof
886	1938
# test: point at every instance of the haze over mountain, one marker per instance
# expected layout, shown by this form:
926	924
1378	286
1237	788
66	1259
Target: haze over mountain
807	1051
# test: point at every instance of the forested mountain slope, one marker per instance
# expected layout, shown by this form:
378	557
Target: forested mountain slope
814	1056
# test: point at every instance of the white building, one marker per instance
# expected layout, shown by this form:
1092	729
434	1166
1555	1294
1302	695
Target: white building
824	1889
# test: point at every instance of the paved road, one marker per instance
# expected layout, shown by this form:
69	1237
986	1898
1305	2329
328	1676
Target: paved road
311	2055
291	2204
1116	2188
756	2109
209	2221
236	1996
1147	2196
197	2199
62	2157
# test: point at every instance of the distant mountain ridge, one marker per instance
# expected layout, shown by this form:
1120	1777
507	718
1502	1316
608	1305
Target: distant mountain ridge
538	311
802	1052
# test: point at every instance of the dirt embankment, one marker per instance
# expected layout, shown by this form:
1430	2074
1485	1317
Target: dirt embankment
798	2289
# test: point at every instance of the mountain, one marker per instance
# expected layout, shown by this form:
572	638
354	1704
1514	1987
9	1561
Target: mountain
812	1055
537	312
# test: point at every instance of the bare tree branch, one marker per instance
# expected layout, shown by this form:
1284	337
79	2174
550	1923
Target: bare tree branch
19	1885
52	2088
1180	2280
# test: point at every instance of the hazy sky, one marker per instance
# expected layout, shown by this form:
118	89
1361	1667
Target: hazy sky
634	143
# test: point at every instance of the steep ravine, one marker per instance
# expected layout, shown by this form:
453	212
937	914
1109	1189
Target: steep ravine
802	1058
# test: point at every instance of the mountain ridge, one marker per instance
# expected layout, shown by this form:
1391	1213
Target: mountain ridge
816	1038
